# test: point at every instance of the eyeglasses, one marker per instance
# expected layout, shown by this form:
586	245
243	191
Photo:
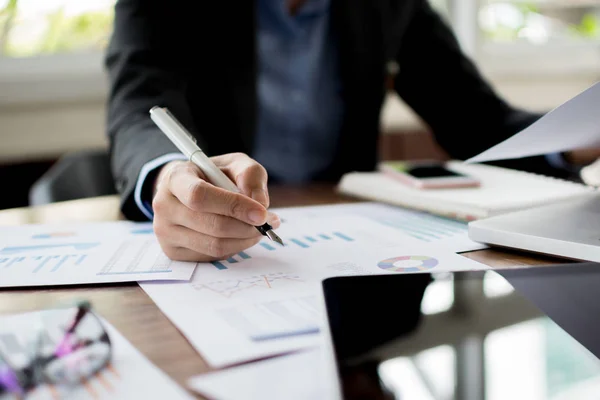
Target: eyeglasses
69	346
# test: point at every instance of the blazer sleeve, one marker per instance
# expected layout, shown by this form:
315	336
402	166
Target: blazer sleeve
146	66
444	87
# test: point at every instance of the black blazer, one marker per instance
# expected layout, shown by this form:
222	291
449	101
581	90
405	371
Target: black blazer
198	59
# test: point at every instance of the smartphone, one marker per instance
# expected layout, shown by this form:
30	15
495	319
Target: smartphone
427	174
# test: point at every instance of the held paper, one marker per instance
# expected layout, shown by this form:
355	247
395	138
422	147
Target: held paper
572	125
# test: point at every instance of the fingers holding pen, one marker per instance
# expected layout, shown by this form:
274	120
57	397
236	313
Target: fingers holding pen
192	190
196	221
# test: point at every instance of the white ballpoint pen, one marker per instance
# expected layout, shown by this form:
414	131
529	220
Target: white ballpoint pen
186	143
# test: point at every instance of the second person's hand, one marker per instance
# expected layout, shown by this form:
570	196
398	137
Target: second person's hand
197	221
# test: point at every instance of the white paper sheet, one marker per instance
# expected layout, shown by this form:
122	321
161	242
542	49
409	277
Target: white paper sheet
292	377
572	125
298	376
425	227
34	255
263	301
129	376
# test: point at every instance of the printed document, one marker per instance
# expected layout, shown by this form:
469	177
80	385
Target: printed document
424	227
78	253
292	377
264	301
129	375
572	125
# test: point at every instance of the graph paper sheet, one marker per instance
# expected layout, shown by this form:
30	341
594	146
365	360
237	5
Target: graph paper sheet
78	253
129	375
264	301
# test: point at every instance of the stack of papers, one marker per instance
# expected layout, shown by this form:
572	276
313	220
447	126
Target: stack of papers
124	251
264	301
261	302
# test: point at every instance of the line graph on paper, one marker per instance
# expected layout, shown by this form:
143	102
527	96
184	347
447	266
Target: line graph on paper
230	287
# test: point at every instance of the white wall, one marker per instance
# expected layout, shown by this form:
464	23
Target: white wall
44	131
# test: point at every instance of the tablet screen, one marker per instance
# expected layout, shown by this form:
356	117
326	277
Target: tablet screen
467	335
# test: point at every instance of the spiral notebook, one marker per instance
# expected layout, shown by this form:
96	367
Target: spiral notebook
502	190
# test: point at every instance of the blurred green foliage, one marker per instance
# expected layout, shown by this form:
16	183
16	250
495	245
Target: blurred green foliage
588	27
61	33
7	16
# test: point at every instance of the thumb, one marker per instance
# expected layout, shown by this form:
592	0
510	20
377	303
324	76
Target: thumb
248	175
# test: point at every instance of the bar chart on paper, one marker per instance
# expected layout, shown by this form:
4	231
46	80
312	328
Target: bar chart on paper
298	242
426	227
418	225
44	247
69	262
275	319
44	258
44	233
137	257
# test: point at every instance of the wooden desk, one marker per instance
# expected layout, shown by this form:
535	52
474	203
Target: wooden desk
132	312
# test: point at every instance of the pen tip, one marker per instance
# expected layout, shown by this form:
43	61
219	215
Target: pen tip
274	237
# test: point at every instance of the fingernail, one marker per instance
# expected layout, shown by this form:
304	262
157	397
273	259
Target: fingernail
273	217
274	220
256	216
260	195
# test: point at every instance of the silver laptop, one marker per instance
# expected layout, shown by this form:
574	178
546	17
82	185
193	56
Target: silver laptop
569	229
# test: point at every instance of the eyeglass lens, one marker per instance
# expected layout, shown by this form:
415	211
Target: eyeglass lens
71	346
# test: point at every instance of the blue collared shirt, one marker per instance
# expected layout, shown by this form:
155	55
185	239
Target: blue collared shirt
299	101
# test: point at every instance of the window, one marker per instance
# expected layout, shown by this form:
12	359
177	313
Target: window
540	22
549	36
525	36
40	27
52	50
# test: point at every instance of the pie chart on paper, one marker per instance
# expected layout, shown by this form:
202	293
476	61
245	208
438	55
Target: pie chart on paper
408	263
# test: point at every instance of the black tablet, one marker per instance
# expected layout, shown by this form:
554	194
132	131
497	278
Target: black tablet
530	333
